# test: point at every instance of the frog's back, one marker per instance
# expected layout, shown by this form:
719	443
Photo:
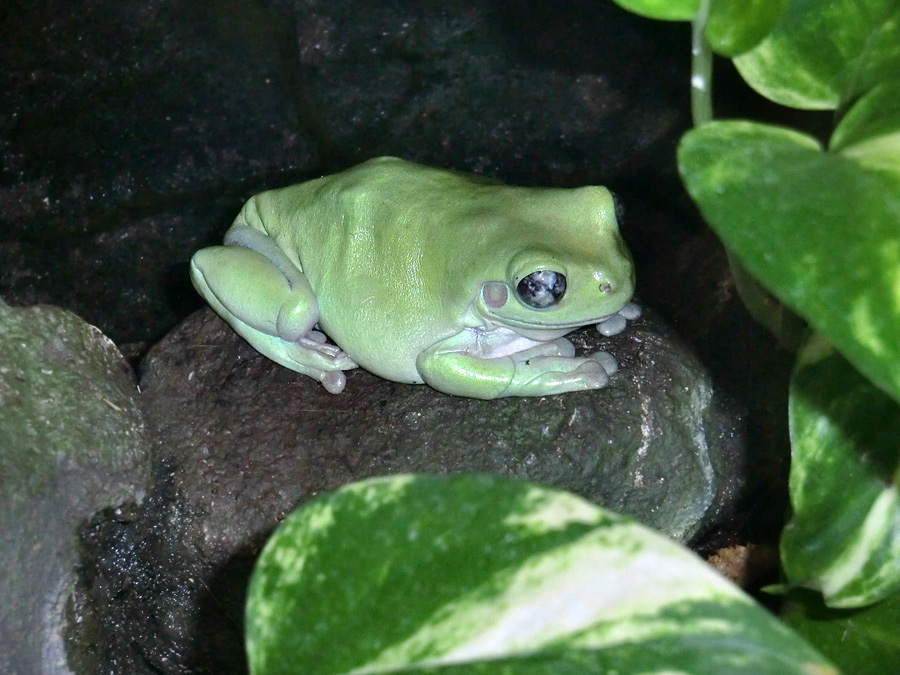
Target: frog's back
397	252
384	294
371	242
366	208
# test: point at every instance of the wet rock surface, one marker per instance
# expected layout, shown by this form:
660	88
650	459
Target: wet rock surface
72	442
251	439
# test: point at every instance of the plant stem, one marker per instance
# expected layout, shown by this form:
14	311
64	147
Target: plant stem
701	68
765	308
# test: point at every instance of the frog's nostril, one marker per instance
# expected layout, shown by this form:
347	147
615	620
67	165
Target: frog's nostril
606	287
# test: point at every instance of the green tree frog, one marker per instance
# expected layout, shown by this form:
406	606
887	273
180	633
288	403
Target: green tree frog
424	275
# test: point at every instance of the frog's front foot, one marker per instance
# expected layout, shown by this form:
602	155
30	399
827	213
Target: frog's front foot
615	323
482	365
553	374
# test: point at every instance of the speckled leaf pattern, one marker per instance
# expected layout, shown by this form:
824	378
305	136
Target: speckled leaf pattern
670	10
824	53
869	133
844	537
477	574
819	230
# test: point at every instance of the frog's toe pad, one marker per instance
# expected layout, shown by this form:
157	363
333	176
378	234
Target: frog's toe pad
607	361
631	311
593	374
334	381
616	323
612	326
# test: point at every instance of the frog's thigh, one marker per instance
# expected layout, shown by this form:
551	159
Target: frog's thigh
461	374
253	296
249	287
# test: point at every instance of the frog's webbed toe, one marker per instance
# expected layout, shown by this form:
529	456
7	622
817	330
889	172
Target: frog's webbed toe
309	356
318	345
322	362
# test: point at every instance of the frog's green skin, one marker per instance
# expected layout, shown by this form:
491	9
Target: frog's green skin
414	272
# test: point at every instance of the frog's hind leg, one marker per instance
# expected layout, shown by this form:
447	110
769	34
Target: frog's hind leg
267	300
299	312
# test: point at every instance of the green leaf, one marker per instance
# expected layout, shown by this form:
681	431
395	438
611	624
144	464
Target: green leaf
668	10
844	536
870	132
824	53
790	330
477	574
819	230
735	26
859	641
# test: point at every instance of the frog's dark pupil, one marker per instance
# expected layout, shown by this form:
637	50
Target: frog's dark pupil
543	288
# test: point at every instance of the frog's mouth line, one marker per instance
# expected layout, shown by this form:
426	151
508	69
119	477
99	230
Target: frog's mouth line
572	325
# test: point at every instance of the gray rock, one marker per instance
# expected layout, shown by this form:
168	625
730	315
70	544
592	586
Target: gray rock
72	441
253	439
245	441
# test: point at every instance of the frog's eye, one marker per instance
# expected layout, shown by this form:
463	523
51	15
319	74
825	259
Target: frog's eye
541	289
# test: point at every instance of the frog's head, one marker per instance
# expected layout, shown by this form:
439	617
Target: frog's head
573	268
